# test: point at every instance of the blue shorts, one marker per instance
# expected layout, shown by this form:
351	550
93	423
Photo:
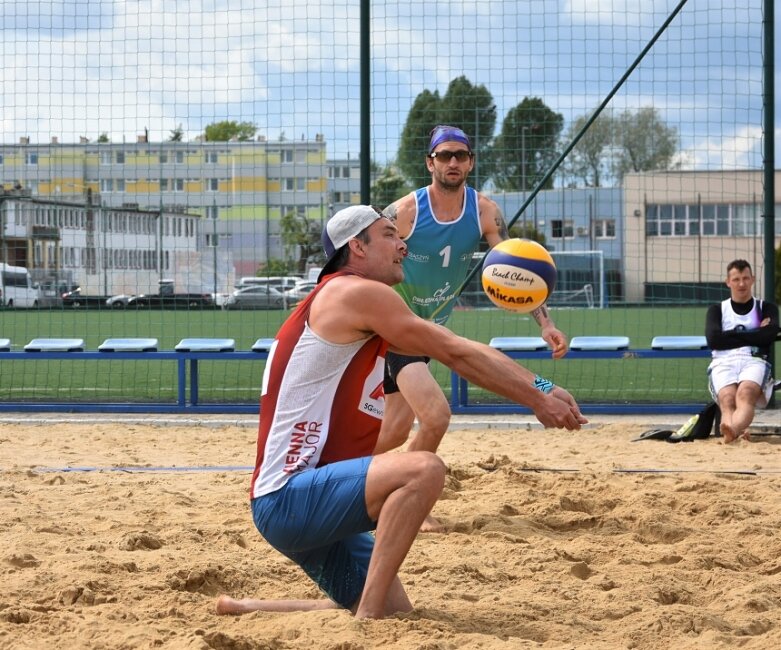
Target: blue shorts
319	520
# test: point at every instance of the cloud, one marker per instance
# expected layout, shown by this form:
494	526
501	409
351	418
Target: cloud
739	151
76	68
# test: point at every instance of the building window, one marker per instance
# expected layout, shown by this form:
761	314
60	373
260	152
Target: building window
300	184
286	155
179	156
211	157
745	220
120	157
1	159
31	157
163	158
702	220
562	229
605	229
106	185
178	184
105	157
120	185
289	184
212	184
163	184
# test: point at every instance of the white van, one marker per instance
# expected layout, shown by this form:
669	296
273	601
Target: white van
16	287
283	283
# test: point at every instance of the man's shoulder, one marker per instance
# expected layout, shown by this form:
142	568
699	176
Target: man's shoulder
487	205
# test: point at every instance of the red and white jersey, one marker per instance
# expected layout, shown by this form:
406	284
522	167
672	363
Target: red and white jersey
321	402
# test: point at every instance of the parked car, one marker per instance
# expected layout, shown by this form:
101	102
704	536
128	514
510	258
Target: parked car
219	299
77	300
299	292
260	297
171	301
119	301
278	282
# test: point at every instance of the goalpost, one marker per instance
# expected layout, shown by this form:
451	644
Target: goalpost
580	279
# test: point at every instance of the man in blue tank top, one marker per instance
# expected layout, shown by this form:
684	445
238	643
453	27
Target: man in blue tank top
442	225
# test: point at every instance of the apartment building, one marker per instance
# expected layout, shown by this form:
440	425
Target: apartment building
103	250
241	189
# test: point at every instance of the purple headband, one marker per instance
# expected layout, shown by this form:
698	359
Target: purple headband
445	133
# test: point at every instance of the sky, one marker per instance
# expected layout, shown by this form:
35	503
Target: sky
85	67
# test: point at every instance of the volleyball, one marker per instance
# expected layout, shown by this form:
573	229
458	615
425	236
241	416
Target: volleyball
518	275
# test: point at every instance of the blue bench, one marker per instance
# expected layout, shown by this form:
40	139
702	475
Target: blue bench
585	347
186	353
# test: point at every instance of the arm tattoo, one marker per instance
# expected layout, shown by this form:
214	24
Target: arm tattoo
540	315
391	212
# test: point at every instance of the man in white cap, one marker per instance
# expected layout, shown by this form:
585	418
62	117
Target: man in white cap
317	490
442	225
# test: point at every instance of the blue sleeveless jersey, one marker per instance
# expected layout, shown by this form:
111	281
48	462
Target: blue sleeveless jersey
440	254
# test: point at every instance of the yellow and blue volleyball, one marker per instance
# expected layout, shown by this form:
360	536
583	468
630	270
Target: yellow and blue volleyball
518	275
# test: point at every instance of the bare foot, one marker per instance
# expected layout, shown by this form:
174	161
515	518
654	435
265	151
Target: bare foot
746	436
727	432
431	525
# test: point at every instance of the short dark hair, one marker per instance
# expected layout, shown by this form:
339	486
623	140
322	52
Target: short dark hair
740	265
343	254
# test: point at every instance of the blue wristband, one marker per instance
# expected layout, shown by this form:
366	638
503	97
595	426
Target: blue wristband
543	385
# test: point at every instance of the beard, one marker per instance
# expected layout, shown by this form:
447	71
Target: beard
450	183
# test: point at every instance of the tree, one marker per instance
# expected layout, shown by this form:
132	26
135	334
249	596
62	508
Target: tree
177	134
229	130
644	142
103	137
300	233
413	146
586	162
276	267
389	186
526	147
526	230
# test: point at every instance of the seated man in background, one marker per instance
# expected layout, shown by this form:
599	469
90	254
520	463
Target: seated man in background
740	331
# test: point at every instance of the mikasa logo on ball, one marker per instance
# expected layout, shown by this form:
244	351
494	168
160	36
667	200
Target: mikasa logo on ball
518	274
511	274
498	296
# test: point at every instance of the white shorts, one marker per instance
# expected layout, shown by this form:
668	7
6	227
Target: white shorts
724	371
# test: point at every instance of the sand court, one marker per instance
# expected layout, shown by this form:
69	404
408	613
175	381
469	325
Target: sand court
122	534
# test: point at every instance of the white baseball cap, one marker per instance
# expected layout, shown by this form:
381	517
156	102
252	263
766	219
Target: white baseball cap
342	227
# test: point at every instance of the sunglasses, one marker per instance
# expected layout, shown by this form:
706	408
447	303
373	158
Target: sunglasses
462	155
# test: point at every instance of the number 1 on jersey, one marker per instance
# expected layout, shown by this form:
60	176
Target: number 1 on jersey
445	255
